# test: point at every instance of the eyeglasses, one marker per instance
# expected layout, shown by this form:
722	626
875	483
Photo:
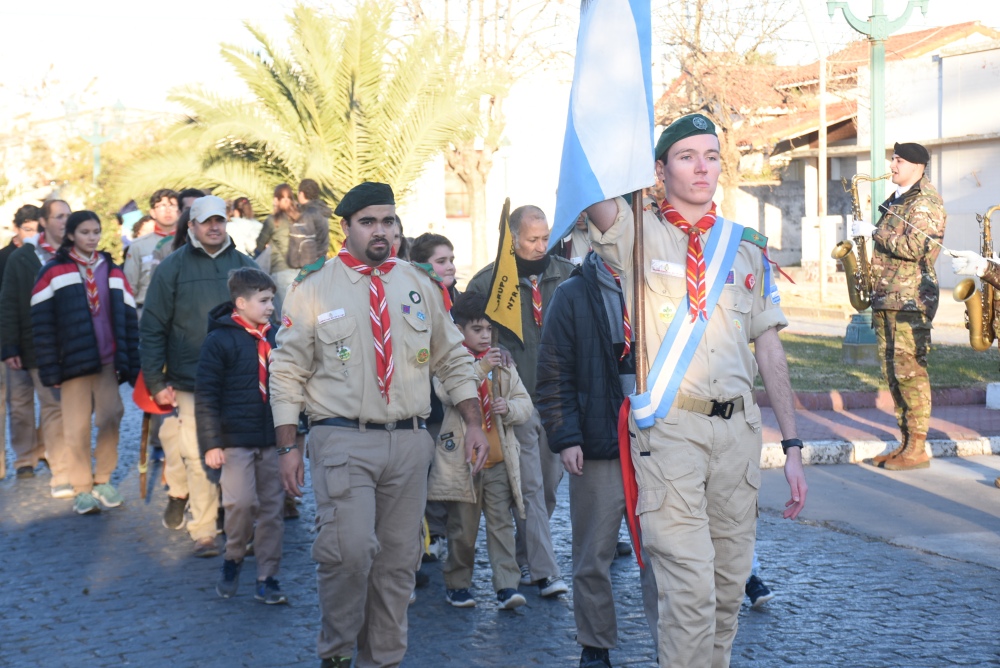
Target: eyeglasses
165	206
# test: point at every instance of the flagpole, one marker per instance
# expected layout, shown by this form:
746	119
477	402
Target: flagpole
639	292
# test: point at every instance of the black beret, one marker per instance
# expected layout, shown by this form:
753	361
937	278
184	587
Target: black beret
369	193
912	152
682	128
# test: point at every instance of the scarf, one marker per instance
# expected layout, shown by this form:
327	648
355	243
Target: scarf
379	312
90	281
695	255
626	323
484	393
160	232
445	293
258	332
45	245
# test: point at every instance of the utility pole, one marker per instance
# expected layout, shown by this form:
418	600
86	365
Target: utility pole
877	28
100	132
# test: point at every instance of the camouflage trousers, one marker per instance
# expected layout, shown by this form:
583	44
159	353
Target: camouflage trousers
904	339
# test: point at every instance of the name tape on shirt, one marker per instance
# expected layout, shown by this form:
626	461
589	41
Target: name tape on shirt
667	268
330	315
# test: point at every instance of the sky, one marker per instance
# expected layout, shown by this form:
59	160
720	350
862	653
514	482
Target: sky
101	51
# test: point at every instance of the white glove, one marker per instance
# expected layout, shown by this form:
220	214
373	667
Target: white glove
968	263
862	229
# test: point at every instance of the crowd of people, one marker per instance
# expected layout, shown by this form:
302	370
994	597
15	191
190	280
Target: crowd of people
257	346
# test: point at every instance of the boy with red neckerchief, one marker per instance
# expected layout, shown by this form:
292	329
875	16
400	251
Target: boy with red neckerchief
236	430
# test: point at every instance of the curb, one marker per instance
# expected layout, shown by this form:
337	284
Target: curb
882	399
812	312
817	453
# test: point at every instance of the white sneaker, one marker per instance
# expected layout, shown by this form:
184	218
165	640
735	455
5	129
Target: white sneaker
436	548
63	492
526	575
551	587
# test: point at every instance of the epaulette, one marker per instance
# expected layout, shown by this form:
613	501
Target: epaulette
754	237
162	242
308	269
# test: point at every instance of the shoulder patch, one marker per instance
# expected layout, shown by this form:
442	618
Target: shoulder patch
753	236
309	269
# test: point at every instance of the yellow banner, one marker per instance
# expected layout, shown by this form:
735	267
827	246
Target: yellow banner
504	305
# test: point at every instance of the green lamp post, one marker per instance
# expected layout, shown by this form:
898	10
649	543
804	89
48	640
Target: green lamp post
100	132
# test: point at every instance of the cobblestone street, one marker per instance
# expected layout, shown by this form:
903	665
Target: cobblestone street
118	589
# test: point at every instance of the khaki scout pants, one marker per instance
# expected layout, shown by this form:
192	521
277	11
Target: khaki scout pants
52	429
19	390
904	339
252	491
493	499
370	490
596	510
185	472
698	511
539	475
94	395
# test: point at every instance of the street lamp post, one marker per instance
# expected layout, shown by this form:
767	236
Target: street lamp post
100	132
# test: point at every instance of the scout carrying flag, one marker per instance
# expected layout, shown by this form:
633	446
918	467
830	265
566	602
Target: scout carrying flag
608	147
504	300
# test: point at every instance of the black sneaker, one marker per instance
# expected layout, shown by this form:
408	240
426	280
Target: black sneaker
229	580
460	598
757	592
336	662
173	516
551	587
623	549
25	472
595	657
269	593
510	599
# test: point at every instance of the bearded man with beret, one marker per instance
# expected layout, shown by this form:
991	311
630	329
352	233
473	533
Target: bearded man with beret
360	337
907	240
695	436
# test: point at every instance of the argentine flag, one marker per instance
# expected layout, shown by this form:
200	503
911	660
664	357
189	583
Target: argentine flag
608	149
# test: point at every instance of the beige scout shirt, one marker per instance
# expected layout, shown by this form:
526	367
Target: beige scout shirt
723	366
140	263
325	359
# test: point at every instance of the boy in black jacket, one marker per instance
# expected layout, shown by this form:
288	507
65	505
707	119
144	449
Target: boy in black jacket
236	430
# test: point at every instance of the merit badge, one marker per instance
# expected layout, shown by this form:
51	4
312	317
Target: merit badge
445	437
415	297
406	309
449	445
286	321
423	355
738	325
750	281
667	313
730	279
775	297
343	353
421	316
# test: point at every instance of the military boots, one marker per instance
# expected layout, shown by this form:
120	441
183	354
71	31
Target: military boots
913	456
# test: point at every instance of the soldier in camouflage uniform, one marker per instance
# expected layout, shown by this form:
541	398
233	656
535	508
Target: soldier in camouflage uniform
905	296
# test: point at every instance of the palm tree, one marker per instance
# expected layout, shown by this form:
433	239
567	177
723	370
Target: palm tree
348	102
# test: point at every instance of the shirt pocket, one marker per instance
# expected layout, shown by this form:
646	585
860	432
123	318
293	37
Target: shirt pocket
340	343
416	339
737	302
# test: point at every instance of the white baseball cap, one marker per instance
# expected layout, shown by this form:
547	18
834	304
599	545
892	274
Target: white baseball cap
204	208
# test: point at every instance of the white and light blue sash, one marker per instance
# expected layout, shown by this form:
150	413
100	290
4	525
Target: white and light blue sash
678	346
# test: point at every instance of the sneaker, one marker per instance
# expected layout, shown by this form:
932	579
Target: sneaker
623	549
413	597
551	587
435	549
336	662
269	593
107	495
205	548
62	492
460	598
157	455
229	580
25	472
757	592
85	504
173	516
290	510
526	575
595	657
510	599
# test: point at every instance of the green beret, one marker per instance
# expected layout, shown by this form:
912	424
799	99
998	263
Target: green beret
682	128
369	193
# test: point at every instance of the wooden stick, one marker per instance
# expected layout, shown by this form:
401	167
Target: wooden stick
639	297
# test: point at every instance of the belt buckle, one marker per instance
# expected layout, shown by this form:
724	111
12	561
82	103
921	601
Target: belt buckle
391	426
723	409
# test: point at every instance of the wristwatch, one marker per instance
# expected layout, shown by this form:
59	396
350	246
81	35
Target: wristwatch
285	450
787	443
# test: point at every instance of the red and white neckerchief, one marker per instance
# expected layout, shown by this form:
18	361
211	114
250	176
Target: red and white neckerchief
45	245
379	312
626	323
536	300
484	393
695	255
90	281
159	231
258	332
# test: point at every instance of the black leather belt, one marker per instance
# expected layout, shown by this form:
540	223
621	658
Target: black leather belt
407	423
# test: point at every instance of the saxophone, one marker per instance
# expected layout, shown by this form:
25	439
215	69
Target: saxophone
979	303
858	271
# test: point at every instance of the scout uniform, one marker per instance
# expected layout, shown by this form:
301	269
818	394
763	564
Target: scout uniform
698	483
369	456
904	300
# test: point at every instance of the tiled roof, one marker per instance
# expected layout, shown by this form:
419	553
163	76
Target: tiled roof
796	124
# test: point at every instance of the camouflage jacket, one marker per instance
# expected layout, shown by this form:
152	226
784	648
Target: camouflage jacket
903	260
